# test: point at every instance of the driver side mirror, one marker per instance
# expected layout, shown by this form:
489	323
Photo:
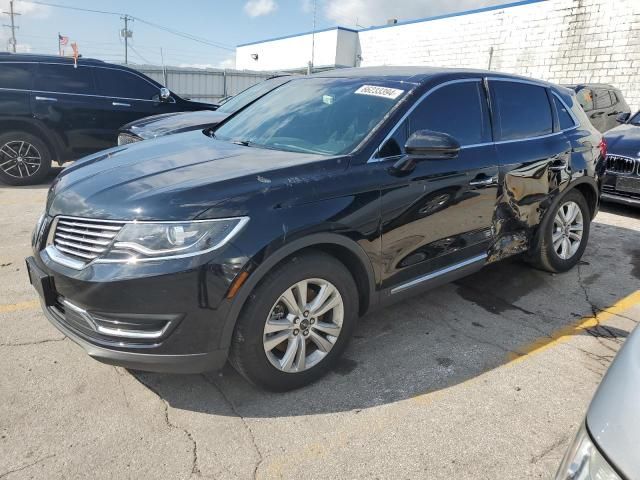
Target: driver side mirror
426	145
623	117
165	95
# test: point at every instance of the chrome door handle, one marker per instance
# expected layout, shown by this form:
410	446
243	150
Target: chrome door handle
483	182
120	104
46	99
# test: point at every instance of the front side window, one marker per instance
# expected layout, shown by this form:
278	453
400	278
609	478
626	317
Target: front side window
64	78
564	117
522	110
458	110
585	99
250	94
16	75
326	116
122	84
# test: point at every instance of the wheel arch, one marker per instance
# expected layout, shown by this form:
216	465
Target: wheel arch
587	186
340	247
21	125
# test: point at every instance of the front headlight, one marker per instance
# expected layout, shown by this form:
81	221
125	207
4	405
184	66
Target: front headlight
36	231
145	241
583	461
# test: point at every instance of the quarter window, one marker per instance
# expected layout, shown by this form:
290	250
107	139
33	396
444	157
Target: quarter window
16	75
64	78
564	117
119	83
522	110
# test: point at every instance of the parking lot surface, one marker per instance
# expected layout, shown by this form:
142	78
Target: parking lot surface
485	378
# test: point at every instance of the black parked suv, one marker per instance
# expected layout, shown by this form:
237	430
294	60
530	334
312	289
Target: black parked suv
264	240
602	103
51	110
170	123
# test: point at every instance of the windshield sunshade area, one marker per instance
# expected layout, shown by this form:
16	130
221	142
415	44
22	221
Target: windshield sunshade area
327	116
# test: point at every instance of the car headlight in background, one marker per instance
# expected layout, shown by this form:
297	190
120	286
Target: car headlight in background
583	461
145	241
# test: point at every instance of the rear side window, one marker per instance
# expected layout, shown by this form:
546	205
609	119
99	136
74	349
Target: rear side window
64	79
585	99
614	97
603	99
122	84
16	75
564	117
522	110
458	110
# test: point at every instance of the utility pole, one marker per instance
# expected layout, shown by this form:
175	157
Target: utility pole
13	27
313	40
126	34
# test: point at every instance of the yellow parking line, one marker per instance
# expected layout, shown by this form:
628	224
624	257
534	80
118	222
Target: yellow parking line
14	307
563	334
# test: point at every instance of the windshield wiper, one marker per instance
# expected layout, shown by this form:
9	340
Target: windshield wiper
244	143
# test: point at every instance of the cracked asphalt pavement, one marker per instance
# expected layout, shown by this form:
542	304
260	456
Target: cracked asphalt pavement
485	378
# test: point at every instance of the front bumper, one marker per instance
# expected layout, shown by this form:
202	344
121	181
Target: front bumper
150	362
612	193
162	316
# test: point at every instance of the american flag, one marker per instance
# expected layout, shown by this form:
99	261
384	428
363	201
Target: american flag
63	40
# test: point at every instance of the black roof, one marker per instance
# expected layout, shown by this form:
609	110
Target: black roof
32	57
416	75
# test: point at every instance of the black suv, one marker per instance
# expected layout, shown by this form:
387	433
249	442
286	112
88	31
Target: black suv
602	103
52	110
265	239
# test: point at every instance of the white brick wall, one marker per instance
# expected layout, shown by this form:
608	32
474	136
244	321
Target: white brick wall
562	41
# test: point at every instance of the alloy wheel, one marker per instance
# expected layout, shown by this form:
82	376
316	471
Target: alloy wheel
568	228
19	159
303	325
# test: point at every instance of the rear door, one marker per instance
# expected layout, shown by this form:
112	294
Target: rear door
127	97
533	153
64	99
439	215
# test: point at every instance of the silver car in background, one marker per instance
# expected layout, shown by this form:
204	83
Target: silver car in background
607	446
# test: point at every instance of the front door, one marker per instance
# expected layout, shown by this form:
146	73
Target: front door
126	97
439	215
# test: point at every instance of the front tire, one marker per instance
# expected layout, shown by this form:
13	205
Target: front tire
565	236
24	159
296	323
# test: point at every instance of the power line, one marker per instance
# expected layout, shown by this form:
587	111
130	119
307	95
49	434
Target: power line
173	31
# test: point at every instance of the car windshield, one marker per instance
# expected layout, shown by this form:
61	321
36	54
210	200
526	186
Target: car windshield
327	116
635	120
248	95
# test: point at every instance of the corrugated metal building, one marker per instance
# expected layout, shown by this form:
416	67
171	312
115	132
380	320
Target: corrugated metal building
205	85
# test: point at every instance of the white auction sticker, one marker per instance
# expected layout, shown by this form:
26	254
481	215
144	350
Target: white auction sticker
376	91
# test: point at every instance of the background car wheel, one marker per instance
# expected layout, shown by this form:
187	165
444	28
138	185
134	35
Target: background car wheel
296	323
24	159
566	234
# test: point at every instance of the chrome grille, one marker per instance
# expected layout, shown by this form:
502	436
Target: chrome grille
126	138
84	239
620	164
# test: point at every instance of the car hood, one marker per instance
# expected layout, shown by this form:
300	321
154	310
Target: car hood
624	140
614	415
176	177
175	122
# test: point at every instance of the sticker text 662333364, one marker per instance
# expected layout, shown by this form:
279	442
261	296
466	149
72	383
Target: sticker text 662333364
376	91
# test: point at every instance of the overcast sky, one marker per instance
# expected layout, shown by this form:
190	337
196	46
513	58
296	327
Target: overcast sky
223	22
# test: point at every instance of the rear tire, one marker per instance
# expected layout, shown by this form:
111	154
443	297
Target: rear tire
24	159
565	235
310	345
